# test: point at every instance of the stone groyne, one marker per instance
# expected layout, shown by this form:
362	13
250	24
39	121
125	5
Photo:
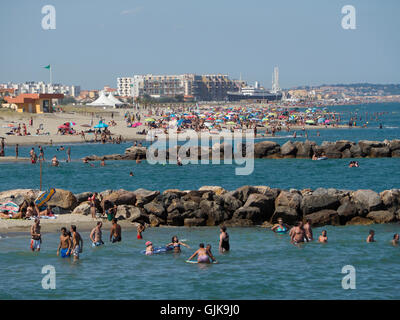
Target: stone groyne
245	206
272	150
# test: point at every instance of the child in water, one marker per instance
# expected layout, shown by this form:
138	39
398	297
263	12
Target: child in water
149	248
371	235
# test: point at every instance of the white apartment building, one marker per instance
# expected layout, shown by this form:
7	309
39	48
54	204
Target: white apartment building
125	86
41	87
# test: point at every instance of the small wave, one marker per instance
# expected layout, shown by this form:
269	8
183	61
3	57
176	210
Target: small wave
387	127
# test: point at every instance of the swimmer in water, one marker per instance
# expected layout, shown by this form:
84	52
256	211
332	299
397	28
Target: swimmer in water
297	233
202	255
55	162
102	163
395	240
371	235
323	238
280	227
131	174
308	231
140	229
149	248
208	249
223	240
177	244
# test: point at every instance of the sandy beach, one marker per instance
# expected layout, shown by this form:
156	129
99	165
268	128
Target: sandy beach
51	121
84	223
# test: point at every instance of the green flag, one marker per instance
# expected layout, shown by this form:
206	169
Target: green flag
47	67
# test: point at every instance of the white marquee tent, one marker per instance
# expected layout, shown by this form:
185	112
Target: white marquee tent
103	101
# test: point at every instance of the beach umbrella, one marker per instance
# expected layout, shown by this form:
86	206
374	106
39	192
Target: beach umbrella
149	120
101	125
310	122
63	126
321	120
230	122
71	123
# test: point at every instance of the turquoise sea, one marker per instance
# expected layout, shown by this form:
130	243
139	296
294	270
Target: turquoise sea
261	264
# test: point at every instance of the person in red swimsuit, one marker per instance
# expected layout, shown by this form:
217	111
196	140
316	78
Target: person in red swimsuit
140	229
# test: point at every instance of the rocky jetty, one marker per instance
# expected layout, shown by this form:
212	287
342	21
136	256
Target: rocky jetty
245	206
272	150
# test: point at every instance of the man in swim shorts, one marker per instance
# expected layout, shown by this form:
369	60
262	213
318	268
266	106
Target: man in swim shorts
115	234
223	240
65	244
77	243
36	236
95	235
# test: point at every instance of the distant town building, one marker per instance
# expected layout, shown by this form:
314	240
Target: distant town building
124	86
42	88
33	102
190	86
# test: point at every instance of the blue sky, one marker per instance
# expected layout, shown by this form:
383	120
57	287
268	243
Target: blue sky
96	41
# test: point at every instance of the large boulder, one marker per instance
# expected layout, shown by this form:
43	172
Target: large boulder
215	212
331	150
135	153
289	215
355	151
320	199
244	192
342	145
120	197
366	146
64	199
144	196
18	195
155	221
194	222
288	199
230	203
176	205
266	149
136	214
83	208
288	150
366	201
359	221
175	218
155	208
391	199
82	197
216	189
323	217
382	152
265	203
381	216
304	149
249	213
346	211
394	145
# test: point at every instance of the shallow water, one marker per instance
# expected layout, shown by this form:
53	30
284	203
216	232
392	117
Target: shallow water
261	265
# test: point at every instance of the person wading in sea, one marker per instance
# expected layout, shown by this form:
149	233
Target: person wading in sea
115	234
223	240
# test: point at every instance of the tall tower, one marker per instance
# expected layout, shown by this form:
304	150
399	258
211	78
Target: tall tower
275	80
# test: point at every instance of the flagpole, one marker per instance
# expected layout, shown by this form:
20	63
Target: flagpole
50	76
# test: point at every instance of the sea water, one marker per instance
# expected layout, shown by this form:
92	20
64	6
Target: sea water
261	264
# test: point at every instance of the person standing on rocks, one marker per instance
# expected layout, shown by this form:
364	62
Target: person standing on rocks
308	231
223	240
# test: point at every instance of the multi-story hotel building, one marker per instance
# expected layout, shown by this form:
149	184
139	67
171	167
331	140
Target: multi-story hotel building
199	87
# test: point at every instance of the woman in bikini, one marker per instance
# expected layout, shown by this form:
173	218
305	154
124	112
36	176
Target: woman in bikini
177	244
